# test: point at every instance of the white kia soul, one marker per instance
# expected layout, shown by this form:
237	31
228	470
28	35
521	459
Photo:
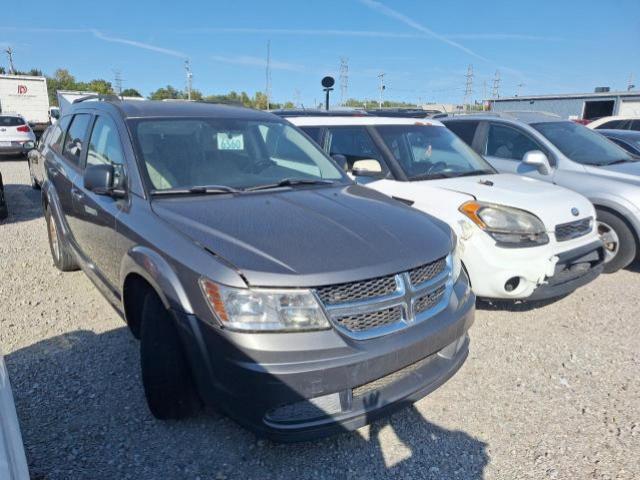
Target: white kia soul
518	238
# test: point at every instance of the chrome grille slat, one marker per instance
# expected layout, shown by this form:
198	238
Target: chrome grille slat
356	291
429	300
427	272
366	321
570	230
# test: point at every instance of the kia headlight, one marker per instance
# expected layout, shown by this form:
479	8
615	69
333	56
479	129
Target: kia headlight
510	227
264	310
456	261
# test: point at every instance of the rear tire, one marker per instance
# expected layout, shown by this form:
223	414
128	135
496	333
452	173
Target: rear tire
166	375
620	243
62	257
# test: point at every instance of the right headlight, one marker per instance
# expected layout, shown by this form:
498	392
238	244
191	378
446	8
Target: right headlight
262	310
509	226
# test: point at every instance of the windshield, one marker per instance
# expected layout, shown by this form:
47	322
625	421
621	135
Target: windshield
581	144
426	152
181	153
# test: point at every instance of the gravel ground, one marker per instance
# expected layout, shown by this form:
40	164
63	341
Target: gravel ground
550	392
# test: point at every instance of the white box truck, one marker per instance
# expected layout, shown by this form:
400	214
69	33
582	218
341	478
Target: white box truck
26	96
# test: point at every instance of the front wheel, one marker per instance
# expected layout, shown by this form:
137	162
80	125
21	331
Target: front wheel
166	375
62	257
619	241
34	183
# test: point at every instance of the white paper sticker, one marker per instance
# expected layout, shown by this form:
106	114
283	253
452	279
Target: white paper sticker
230	141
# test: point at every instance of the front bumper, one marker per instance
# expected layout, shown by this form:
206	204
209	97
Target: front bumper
300	386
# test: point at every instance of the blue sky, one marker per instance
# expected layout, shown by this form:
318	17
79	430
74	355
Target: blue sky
423	46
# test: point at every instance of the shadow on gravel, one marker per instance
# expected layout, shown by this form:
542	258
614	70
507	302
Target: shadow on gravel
515	306
24	203
634	267
83	415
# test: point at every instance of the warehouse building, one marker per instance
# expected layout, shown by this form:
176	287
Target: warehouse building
587	106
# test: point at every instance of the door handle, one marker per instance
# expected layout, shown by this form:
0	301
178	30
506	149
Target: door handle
77	195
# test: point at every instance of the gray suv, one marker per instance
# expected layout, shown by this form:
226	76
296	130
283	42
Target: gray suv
258	277
548	148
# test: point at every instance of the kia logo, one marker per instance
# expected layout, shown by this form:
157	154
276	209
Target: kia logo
575	212
22	89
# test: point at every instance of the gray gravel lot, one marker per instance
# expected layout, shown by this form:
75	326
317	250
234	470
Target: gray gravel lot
550	392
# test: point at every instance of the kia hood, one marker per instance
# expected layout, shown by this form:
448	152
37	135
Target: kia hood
551	203
624	172
309	237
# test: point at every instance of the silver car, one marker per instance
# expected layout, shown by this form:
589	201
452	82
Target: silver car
548	148
13	464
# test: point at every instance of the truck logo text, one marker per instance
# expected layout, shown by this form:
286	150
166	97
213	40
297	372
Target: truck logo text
22	89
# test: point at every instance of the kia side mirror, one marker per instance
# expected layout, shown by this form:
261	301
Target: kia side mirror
341	160
100	180
367	168
537	159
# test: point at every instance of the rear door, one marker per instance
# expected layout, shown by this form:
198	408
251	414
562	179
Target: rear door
355	143
504	147
97	214
57	171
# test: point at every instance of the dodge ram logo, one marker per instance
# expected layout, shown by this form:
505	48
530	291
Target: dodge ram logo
575	212
22	89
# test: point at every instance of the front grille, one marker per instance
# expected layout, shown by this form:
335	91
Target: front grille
429	300
351	292
369	320
571	230
427	272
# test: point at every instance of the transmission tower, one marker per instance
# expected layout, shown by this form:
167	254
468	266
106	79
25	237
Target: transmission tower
187	68
268	75
344	79
495	91
117	81
12	69
468	90
381	88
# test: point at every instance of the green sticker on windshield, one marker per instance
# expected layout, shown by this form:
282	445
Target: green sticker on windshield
230	141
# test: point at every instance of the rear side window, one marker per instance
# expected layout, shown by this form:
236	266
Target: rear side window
11	121
635	125
508	143
73	143
314	132
355	143
613	124
465	130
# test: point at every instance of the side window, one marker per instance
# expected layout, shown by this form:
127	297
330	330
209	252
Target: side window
314	132
635	125
57	135
105	148
73	143
509	143
613	124
465	130
355	143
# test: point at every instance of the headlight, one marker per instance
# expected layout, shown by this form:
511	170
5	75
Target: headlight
509	226
264	310
456	262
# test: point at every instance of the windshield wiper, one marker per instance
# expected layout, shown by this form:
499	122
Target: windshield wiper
287	182
197	190
622	160
431	176
473	173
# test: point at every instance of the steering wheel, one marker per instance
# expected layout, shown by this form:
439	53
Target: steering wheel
436	167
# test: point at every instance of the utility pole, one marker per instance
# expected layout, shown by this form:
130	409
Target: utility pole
117	81
630	85
495	91
381	88
12	69
268	75
344	79
187	67
519	89
468	90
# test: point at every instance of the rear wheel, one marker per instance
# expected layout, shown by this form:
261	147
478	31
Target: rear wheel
166	376
619	241
62	258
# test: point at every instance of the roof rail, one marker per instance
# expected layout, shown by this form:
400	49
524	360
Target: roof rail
99	97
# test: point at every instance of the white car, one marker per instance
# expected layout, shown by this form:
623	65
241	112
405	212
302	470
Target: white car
519	238
13	464
618	122
14	132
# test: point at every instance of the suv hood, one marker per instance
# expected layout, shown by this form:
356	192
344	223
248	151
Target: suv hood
550	203
309	236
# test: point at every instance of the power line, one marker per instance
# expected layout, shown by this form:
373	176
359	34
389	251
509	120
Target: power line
117	81
12	69
344	79
381	88
495	91
468	90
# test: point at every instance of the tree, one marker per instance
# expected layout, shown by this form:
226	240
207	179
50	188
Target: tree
288	105
2	71
165	93
99	86
130	92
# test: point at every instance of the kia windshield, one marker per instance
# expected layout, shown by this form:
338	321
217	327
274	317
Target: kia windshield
427	152
205	155
583	145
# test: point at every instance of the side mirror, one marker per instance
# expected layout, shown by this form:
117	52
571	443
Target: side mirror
341	160
29	145
100	180
366	168
537	159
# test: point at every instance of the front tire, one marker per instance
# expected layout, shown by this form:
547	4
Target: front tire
166	375
619	241
34	183
62	257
